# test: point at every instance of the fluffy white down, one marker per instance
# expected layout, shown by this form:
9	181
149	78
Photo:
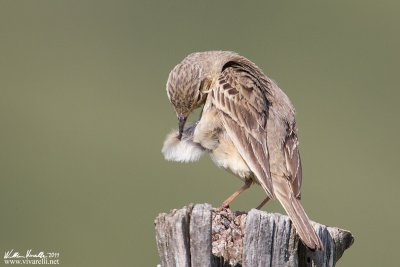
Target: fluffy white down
181	151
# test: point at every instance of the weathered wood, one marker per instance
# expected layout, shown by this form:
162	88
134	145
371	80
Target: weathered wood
269	240
172	235
198	235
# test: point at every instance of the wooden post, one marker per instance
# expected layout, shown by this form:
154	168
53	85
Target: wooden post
198	235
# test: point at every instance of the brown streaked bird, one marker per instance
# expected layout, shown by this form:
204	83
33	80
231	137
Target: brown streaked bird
247	126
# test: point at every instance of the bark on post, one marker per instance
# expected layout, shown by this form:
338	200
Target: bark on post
199	235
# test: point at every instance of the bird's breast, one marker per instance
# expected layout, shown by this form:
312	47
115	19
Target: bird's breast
225	155
211	135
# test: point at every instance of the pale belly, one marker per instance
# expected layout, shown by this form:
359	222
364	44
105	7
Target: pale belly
226	156
210	135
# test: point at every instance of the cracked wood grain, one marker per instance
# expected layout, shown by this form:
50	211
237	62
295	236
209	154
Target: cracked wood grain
198	235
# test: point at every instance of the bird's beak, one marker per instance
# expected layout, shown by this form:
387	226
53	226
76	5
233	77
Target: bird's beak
181	123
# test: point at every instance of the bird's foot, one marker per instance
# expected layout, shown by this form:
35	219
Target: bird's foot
224	205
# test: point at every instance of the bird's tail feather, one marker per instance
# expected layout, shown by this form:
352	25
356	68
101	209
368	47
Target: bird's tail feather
300	219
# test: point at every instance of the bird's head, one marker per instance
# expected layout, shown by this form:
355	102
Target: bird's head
186	88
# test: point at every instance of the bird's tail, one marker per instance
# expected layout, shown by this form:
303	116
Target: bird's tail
298	216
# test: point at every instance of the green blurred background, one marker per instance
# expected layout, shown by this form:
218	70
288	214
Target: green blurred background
84	112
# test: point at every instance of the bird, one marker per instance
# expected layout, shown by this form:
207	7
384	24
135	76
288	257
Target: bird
247	126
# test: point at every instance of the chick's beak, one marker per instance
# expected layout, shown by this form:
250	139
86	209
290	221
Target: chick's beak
181	123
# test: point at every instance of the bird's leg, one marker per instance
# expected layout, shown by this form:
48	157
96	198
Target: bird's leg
246	185
263	203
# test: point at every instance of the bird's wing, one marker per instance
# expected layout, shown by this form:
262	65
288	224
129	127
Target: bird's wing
293	161
240	95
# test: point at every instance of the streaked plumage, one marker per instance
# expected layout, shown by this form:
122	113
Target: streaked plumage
247	126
